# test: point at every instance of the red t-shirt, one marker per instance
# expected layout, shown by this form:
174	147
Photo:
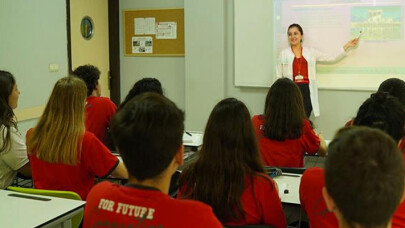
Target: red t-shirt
288	153
313	204
111	205
300	70
95	160
260	202
99	112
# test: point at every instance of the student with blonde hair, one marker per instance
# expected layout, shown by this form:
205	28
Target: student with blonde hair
63	155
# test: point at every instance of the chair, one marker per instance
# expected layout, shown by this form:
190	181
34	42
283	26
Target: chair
174	184
76	220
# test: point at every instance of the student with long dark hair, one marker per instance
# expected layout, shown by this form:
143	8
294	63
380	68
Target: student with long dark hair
13	152
284	132
228	174
63	155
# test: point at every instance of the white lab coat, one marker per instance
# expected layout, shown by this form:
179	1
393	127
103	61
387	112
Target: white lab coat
285	68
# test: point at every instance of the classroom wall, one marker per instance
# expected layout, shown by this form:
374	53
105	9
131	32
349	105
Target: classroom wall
33	35
169	70
209	71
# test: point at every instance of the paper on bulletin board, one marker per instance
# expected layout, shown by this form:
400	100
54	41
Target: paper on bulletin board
144	26
166	30
142	44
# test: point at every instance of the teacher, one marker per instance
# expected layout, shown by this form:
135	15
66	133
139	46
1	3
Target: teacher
298	63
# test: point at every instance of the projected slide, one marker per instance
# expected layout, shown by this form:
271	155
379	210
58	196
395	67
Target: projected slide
329	24
377	23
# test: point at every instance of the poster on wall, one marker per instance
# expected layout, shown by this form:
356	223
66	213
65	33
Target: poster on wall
142	44
166	30
144	26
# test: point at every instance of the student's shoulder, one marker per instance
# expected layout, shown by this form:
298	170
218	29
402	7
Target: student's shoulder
313	175
100	101
262	180
101	189
194	211
258	120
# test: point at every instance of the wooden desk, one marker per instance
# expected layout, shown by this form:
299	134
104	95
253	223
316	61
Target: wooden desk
16	211
288	186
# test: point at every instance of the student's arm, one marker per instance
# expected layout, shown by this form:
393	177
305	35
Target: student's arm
322	146
25	170
120	171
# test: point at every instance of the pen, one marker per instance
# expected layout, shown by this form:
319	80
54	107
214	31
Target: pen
188	133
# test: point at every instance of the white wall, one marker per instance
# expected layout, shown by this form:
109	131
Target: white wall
168	70
210	77
33	35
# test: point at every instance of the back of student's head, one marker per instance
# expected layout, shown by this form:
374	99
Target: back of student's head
148	133
229	152
395	87
284	111
7	121
56	136
384	112
90	75
142	86
364	175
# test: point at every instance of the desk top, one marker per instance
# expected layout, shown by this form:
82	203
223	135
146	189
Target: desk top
288	187
16	211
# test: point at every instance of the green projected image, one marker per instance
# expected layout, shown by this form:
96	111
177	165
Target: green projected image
381	23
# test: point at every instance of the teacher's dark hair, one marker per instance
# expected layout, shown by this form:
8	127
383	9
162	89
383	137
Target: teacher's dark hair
296	26
229	155
284	111
7	117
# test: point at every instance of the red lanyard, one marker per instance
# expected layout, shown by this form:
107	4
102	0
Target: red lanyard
299	61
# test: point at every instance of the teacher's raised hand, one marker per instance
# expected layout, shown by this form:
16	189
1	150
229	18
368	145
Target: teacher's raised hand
352	43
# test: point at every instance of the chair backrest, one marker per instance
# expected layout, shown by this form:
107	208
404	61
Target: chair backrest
76	220
174	184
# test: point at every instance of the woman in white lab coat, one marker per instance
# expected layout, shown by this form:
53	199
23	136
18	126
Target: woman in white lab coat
298	63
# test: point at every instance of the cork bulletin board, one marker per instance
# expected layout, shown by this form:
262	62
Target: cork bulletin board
167	26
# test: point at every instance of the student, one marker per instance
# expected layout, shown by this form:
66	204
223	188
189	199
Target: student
228	175
142	86
283	131
380	111
99	110
364	178
13	152
63	155
148	133
394	87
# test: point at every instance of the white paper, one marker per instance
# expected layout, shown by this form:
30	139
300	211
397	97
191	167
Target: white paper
166	30
150	25
144	26
142	44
